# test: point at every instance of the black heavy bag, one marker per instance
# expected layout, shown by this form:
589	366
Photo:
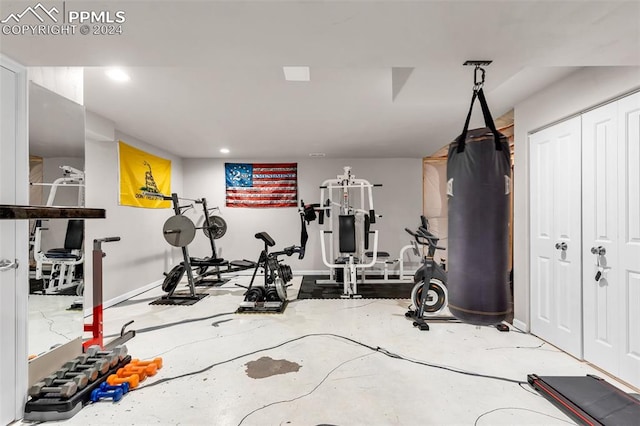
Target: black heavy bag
478	181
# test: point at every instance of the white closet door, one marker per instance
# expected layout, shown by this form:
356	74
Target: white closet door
629	237
600	233
556	302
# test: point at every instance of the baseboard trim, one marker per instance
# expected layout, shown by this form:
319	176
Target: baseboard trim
126	296
520	325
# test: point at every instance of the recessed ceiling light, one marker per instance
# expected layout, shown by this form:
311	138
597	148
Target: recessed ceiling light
224	150
117	74
296	73
317	154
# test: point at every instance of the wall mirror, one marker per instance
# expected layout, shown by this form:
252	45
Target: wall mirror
56	281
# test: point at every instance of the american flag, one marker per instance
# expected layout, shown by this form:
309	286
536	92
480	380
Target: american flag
261	185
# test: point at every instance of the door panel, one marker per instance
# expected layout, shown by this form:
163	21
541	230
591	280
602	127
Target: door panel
555	219
629	236
600	229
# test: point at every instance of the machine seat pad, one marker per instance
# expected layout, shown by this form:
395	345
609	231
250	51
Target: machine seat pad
381	254
266	238
345	259
62	254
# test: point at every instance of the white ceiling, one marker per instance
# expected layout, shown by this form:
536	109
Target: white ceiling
207	75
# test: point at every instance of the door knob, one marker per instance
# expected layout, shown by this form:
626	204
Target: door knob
6	264
561	246
600	251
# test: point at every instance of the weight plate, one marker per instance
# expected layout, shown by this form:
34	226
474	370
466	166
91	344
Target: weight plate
281	288
255	294
173	278
272	295
179	231
218	226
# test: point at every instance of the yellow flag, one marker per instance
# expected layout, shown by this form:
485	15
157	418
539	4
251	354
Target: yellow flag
141	176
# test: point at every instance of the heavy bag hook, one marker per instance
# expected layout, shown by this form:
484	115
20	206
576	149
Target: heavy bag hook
478	83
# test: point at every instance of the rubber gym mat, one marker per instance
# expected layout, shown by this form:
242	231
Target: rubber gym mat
589	400
179	299
310	290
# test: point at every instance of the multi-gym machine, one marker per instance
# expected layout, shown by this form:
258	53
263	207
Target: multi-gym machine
59	268
353	240
179	231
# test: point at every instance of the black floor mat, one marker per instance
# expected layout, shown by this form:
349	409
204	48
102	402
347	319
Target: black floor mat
179	299
310	290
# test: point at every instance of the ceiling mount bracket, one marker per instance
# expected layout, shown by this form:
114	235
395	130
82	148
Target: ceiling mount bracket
478	73
477	63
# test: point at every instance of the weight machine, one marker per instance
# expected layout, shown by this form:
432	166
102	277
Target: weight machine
352	240
64	263
179	231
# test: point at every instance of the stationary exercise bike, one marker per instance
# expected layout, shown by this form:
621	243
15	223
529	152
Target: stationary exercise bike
429	294
272	295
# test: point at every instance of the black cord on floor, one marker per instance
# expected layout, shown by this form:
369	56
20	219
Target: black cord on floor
373	348
521	409
306	394
171	324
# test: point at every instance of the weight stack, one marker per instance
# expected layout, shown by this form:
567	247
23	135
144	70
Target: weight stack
478	188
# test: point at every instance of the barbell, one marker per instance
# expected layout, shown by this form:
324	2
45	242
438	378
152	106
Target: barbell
179	230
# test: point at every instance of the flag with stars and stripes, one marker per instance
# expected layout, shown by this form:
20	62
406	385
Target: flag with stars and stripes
261	184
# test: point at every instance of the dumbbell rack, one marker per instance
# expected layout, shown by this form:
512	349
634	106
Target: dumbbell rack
44	409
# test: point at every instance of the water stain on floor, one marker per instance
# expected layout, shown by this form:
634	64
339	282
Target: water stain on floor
266	367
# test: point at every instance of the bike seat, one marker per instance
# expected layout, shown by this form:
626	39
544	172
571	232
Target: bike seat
266	238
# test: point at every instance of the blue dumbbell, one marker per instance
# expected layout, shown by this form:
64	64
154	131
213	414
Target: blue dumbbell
99	394
104	386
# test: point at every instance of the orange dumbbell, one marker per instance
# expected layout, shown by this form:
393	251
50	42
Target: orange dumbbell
139	363
123	372
133	380
149	370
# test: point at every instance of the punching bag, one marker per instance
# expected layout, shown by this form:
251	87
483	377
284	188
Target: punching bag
478	186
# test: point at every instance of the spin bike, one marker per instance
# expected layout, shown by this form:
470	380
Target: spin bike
272	295
429	294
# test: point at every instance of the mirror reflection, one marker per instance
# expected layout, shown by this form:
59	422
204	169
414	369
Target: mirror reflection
56	148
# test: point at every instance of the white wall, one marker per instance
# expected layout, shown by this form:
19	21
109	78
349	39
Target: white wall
65	196
579	91
142	255
399	200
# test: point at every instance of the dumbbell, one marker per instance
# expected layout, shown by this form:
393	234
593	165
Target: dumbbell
115	394
107	387
133	380
119	351
102	365
80	380
139	363
112	359
91	373
142	371
65	390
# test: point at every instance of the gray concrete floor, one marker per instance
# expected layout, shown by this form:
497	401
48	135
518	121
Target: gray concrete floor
330	380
